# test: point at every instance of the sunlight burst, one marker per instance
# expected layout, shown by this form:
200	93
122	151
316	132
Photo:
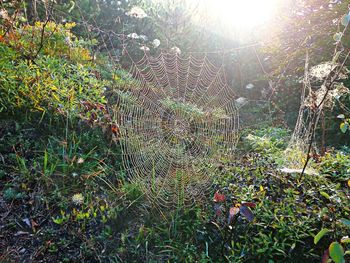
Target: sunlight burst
243	14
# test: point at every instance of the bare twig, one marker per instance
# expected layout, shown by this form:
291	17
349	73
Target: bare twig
318	108
41	45
328	83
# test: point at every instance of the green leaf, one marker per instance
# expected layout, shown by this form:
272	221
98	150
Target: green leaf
325	195
336	252
345	20
320	235
344	127
345	221
337	36
72	7
334	60
57	220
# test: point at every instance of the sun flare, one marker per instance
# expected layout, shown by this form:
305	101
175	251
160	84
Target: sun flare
242	14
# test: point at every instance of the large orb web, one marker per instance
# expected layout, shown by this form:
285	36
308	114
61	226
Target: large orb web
177	117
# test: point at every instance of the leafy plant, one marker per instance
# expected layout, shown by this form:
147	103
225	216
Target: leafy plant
345	124
269	140
335	251
336	165
55	80
11	194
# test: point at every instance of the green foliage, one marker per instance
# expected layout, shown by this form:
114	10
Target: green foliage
174	237
336	165
52	81
133	191
62	172
49	39
344	125
185	108
268	140
320	234
11	194
336	252
287	211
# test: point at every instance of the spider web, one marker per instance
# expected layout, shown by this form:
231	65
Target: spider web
176	118
315	99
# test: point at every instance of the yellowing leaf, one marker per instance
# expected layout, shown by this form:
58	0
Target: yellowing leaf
324	194
115	77
345	240
55	96
39	108
344	127
336	252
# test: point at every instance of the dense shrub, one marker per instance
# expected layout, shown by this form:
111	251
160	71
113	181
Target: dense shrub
268	140
336	165
45	68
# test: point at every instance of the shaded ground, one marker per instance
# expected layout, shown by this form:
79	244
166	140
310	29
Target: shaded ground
63	200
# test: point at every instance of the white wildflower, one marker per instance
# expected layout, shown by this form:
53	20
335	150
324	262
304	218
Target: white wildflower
4	15
176	50
134	36
249	86
343	239
136	12
240	102
68	41
144	48
78	199
74	174
156	43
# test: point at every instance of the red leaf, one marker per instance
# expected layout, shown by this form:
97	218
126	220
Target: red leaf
325	256
233	211
219	197
245	211
250	204
115	129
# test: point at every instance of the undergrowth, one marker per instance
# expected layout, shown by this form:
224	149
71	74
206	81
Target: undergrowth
65	200
65	196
